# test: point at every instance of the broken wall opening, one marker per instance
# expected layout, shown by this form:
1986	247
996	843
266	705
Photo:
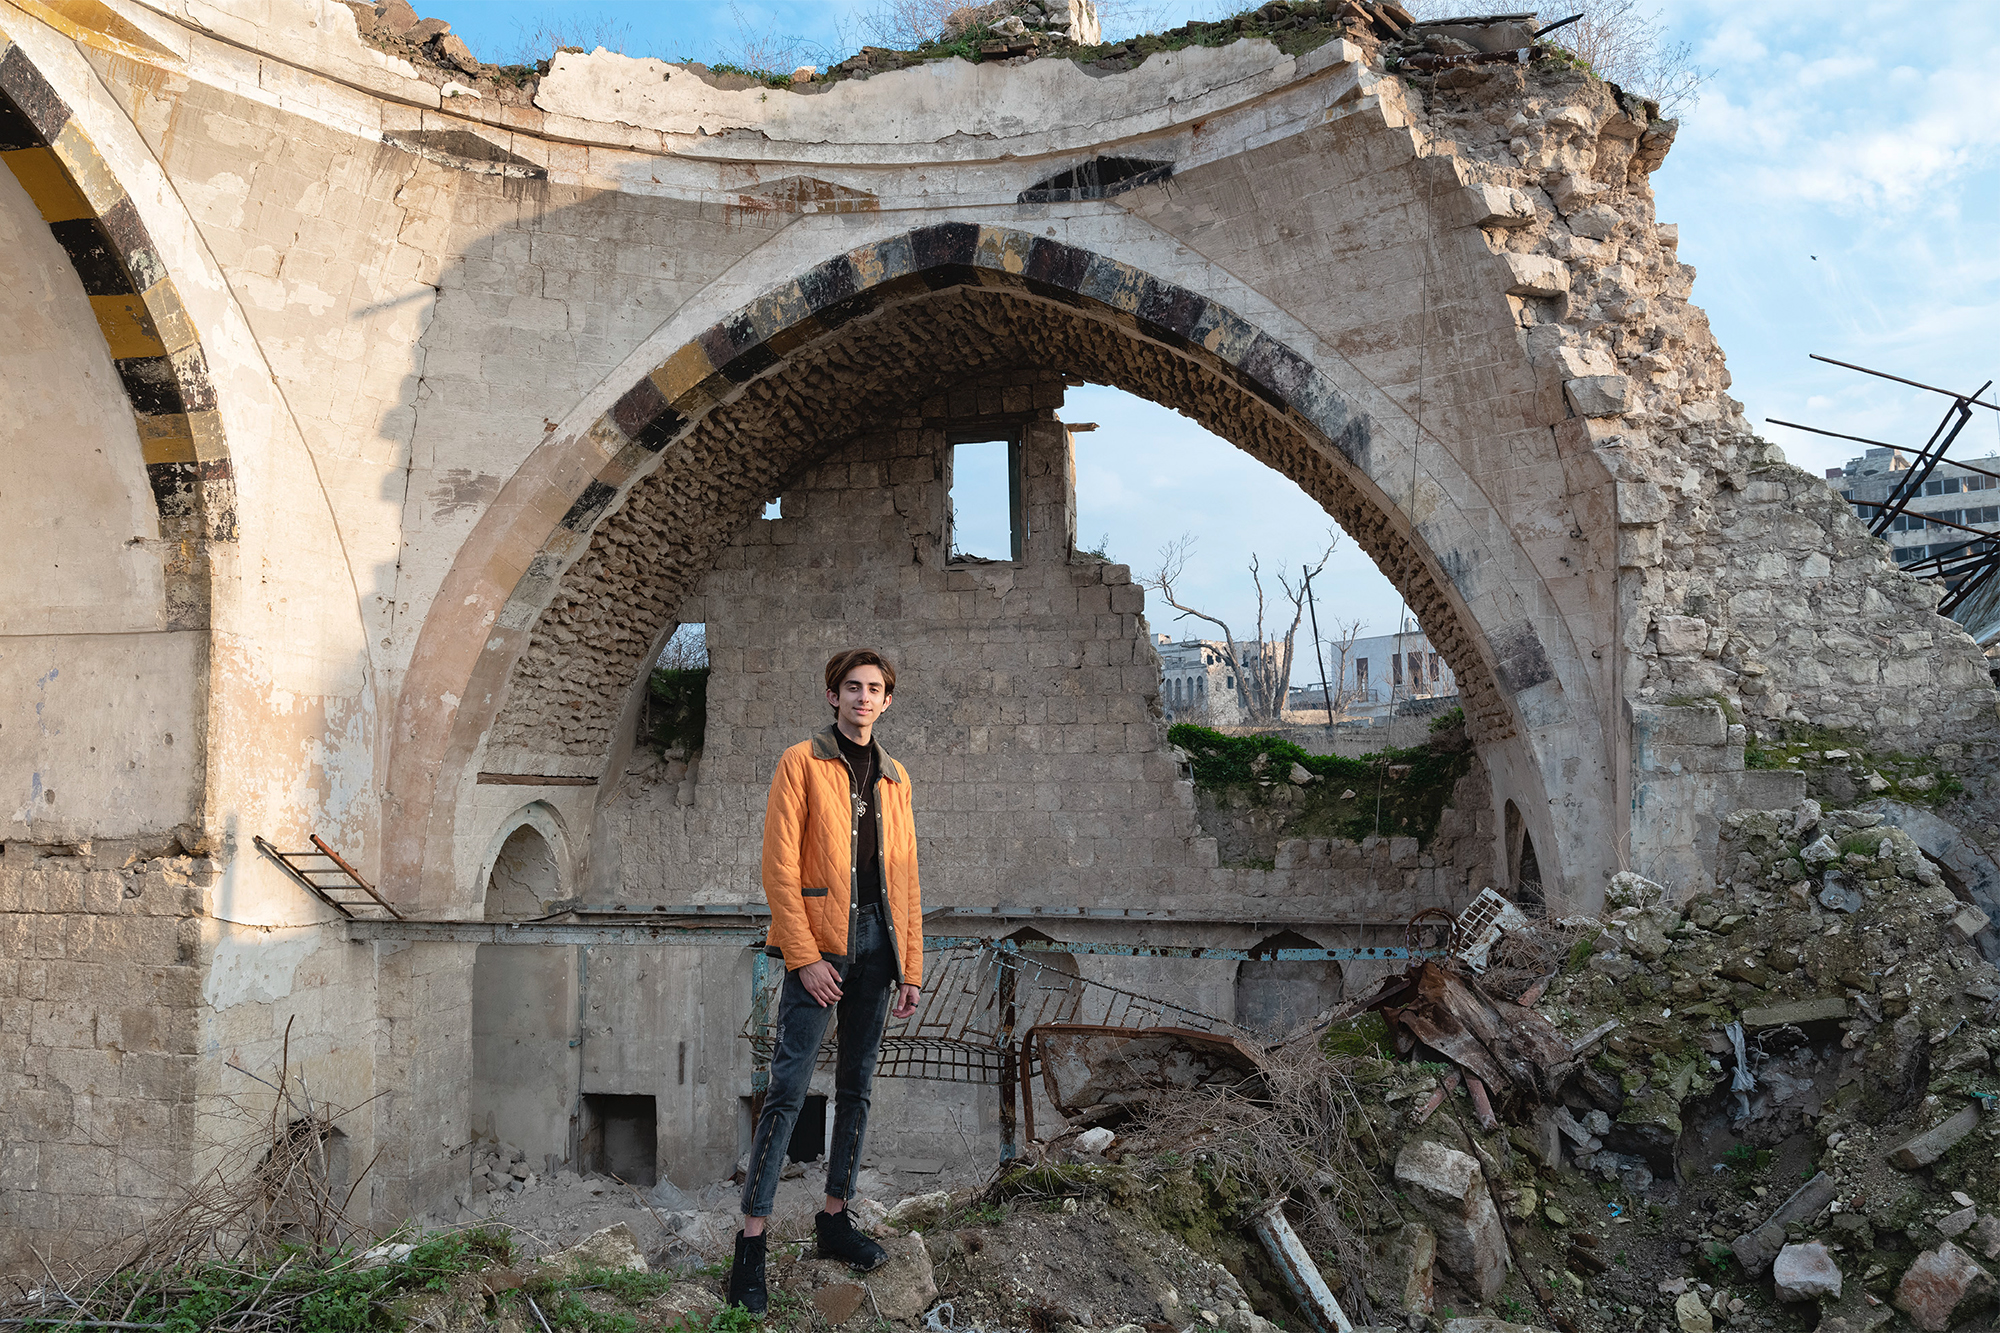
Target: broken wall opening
620	1137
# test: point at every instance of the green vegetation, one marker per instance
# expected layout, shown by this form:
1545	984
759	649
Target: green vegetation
1401	792
320	1295
1912	779
1366	1035
769	78
1445	721
677	708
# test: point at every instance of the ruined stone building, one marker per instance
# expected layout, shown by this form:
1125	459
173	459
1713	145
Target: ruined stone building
374	423
1197	682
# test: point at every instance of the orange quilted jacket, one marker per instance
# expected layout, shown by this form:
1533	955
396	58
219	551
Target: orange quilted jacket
809	860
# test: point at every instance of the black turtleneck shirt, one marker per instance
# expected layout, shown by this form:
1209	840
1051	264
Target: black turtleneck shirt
864	766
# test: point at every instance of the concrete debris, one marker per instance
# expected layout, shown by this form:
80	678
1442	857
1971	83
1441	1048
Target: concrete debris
1925	1148
1099	1068
1805	1272
614	1248
1690	1315
919	1212
1449	1187
1095	1139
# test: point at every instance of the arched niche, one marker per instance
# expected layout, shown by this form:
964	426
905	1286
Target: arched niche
525	1000
546	671
1276	995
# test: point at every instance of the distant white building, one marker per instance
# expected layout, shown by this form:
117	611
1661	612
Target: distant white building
1380	673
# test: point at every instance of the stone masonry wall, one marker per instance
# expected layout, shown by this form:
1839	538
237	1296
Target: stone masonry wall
1741	578
99	1011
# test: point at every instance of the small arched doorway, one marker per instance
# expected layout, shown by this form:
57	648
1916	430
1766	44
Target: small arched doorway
524	1003
1524	868
1276	994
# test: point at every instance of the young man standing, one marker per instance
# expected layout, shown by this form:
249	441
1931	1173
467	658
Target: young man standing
840	873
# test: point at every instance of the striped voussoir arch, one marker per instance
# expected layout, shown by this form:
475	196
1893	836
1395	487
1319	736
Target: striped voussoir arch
668	402
150	336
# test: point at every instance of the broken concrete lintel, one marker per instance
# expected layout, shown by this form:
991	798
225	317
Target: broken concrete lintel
1935	1142
1828	1009
1756	1249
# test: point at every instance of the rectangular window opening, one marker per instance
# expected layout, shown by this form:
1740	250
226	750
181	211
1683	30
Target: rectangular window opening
988	521
775	509
621	1137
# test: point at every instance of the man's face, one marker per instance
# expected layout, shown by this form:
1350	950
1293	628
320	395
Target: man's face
863	696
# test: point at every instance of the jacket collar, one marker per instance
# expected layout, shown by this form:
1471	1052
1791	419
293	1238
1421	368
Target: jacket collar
825	746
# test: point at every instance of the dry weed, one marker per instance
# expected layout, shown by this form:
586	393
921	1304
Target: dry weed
1294	1142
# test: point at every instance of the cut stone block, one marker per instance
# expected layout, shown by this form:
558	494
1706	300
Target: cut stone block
1681	634
1501	206
1449	1187
1797	1013
1536	275
1756	1249
1601	395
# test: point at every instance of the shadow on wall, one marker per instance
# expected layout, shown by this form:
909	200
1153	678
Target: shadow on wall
524	1011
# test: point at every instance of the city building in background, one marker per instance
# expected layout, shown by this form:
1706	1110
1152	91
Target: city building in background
1954	493
1198	684
1385	675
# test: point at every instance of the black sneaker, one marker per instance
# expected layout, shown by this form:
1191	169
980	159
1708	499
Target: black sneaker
839	1240
746	1275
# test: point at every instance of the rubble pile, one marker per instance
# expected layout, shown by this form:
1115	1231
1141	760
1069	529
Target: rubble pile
1773	1113
500	1168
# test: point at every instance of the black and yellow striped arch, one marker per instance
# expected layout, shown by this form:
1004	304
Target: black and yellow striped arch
152	340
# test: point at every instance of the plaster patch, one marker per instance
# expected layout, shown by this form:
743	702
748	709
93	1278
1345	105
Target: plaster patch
256	967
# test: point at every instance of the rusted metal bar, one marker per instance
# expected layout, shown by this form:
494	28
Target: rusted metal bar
1931	522
1879	444
1436	1099
1482	1106
354	875
1972	398
1007	983
1301	1274
1933	452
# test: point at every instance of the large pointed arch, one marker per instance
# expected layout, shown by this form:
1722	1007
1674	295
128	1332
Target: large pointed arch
713	404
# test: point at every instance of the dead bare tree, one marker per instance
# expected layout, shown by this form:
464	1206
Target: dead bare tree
686	649
1622	41
1340	692
1263	680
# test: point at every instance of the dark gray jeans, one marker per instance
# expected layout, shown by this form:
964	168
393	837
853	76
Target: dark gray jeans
867	985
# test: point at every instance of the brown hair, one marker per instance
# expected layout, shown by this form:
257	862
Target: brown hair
841	663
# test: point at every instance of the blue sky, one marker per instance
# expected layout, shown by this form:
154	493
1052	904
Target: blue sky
1835	188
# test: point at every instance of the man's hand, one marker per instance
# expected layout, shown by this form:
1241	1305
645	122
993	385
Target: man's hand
906	1001
821	982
